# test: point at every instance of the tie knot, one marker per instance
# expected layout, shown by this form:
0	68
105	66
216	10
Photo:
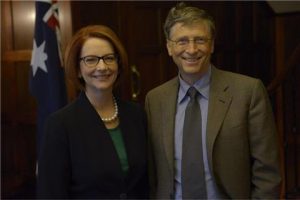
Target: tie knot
192	92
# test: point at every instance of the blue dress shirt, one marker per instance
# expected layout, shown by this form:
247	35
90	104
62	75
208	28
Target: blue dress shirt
202	86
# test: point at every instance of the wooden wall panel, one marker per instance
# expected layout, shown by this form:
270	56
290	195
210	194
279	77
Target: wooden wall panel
18	107
94	12
291	103
23	20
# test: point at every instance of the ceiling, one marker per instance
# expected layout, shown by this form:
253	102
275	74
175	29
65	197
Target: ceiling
281	7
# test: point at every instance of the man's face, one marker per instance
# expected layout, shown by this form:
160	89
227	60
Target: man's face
191	47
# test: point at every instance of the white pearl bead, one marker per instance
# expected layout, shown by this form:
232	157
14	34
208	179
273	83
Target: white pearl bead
110	119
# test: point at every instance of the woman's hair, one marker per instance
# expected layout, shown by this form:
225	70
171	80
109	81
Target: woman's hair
187	15
73	51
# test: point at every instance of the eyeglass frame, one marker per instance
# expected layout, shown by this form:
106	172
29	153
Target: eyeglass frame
203	41
100	58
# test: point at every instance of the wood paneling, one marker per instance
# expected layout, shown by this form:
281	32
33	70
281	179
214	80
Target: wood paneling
18	107
23	18
279	36
16	56
291	101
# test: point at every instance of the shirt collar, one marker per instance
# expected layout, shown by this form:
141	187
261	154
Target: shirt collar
202	86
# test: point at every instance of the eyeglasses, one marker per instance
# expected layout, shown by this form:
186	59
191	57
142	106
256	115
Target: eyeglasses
184	42
92	61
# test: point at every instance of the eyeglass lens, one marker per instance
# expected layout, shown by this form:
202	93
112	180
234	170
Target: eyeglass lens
92	61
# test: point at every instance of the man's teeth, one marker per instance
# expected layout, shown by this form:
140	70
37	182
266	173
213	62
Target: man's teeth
191	59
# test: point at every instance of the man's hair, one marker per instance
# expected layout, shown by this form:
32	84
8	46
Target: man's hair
188	15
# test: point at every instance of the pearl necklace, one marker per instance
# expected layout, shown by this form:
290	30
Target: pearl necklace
114	117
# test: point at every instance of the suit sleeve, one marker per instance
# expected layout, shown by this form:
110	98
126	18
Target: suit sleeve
54	163
151	164
264	146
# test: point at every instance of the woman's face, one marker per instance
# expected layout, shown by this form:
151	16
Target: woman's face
98	74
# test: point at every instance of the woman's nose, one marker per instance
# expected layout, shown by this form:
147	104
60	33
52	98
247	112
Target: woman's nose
101	65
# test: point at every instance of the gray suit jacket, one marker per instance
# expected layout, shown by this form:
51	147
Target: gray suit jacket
241	137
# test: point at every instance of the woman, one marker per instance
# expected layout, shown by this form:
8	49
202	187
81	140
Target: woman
96	146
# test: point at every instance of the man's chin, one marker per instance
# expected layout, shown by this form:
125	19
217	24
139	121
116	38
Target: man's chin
191	69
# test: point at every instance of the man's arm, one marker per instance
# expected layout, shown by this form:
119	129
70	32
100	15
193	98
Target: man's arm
263	146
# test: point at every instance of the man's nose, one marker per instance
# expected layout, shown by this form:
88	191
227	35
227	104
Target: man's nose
191	47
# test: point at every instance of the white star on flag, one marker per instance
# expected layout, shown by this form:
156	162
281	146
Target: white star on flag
38	58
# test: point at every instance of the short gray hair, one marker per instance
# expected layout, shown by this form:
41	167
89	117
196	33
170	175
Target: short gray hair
187	15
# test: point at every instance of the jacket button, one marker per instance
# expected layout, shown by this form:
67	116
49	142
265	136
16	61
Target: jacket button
123	196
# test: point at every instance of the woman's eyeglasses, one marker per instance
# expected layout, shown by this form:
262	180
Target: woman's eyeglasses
92	61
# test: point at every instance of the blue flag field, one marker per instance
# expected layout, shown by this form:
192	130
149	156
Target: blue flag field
47	82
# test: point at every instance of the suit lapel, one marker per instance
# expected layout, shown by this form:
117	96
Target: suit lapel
99	134
168	108
219	102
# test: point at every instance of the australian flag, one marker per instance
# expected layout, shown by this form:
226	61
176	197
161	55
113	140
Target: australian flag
47	83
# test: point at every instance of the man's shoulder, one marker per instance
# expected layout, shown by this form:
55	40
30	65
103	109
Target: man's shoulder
234	77
165	87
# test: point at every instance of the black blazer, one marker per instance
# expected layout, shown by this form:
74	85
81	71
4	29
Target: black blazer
78	158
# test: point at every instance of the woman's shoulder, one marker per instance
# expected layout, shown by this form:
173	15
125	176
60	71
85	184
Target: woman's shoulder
65	112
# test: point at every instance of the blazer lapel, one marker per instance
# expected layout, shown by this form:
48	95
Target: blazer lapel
168	108
95	128
219	101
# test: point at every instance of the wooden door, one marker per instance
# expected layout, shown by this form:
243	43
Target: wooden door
150	65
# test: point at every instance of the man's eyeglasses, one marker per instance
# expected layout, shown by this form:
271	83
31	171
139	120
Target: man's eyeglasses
184	42
92	61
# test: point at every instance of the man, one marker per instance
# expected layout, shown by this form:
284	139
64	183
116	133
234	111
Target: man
239	150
